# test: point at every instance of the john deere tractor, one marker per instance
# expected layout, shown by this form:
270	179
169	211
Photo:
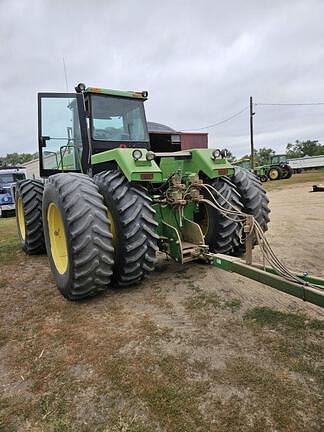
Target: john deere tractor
259	171
108	203
279	168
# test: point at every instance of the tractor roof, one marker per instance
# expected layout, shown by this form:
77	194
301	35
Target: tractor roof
127	94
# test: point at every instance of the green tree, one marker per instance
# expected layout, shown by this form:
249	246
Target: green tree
262	156
12	159
304	148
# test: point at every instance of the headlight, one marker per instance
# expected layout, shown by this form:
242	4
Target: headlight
80	88
216	153
150	155
5	199
137	154
224	153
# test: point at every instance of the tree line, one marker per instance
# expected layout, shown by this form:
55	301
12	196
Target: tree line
16	159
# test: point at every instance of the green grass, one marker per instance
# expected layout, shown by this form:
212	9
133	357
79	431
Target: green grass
201	301
291	339
233	305
161	382
9	244
267	317
261	392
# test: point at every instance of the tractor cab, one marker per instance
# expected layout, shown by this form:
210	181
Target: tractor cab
278	159
74	126
243	163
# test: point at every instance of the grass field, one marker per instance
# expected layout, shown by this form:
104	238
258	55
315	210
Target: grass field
9	246
173	354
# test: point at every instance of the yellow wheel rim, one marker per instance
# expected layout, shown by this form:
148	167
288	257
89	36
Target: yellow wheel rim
202	219
57	238
273	174
112	227
21	218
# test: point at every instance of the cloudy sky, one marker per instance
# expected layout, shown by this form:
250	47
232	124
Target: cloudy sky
199	60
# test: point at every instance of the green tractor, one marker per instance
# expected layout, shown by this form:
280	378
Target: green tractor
278	168
260	171
108	203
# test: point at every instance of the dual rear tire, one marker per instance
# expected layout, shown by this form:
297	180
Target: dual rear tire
77	236
133	227
95	231
243	192
254	200
221	233
29	196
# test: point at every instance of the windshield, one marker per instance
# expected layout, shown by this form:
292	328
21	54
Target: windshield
245	164
11	177
118	119
278	159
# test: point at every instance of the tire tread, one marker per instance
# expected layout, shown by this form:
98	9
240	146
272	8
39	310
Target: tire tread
31	193
137	240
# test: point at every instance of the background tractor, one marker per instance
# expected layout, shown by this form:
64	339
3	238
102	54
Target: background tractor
109	203
279	168
259	171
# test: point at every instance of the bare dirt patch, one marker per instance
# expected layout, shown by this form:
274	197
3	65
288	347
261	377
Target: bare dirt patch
191	349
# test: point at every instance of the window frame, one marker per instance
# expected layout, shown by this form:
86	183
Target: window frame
114	143
45	172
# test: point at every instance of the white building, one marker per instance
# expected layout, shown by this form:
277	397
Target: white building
32	169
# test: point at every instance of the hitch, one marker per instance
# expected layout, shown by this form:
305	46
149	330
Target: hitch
267	276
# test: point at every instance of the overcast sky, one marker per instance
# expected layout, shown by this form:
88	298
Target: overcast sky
199	60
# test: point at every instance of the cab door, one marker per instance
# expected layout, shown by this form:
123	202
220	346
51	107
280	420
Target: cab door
62	133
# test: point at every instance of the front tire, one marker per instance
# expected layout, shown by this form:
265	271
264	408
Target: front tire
77	235
29	196
132	218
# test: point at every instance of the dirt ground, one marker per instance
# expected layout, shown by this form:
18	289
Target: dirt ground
193	348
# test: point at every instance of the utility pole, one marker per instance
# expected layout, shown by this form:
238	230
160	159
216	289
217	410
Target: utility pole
251	133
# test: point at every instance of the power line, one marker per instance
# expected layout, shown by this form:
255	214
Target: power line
288	104
220	122
246	108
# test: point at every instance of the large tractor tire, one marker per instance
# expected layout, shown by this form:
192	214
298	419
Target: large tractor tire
275	173
77	235
287	172
133	226
254	199
29	196
221	234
